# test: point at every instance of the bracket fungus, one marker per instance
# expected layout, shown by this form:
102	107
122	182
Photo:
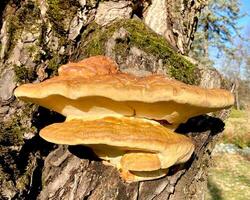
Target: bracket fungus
116	114
130	144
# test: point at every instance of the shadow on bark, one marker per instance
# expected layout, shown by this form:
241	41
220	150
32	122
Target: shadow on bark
202	124
2	7
83	152
44	117
30	157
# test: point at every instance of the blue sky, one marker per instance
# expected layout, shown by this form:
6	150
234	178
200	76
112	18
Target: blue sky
244	23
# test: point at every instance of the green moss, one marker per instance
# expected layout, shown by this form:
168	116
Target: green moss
122	47
95	38
143	38
53	63
55	10
24	74
10	134
24	18
31	49
60	13
13	32
12	130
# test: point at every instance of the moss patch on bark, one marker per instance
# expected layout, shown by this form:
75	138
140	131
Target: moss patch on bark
12	130
24	74
95	37
24	18
60	13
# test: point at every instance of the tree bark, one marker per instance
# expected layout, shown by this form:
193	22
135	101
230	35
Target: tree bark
236	92
37	37
176	20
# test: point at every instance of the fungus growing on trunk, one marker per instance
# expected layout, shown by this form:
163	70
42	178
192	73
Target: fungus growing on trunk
114	113
98	90
130	144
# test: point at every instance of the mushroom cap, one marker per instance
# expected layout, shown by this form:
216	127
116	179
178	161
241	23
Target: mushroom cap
96	65
123	135
98	90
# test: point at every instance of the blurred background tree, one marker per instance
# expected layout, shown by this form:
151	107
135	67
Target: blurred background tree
235	66
216	29
219	37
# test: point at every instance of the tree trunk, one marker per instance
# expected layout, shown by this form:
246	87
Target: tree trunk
236	93
37	37
176	20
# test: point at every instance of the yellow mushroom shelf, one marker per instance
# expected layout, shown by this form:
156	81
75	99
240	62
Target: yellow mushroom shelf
117	114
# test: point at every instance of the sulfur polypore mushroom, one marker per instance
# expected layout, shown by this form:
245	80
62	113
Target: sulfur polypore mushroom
141	149
97	89
92	92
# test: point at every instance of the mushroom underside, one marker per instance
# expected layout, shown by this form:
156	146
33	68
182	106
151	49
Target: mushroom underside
132	145
96	107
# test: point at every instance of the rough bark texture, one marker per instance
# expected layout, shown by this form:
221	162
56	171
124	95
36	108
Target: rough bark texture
37	36
176	20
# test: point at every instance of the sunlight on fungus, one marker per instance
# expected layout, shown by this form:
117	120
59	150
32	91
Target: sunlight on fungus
118	115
